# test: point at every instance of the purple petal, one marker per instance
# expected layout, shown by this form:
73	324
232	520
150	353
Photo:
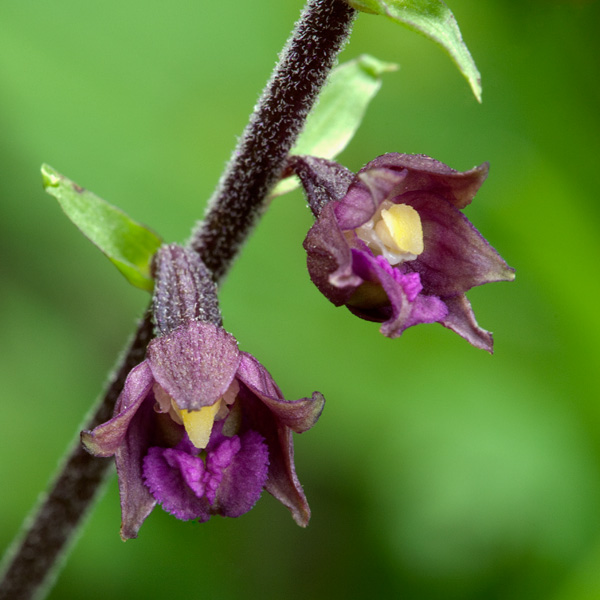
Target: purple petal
329	259
168	473
136	501
456	256
282	482
195	364
298	415
405	305
367	192
426	174
461	320
105	439
242	473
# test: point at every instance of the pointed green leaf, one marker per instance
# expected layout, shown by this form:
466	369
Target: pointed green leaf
339	111
433	19
129	245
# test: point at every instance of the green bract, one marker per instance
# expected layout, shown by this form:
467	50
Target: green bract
339	111
129	245
433	19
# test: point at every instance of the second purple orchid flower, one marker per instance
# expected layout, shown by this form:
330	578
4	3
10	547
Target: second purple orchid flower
392	245
200	427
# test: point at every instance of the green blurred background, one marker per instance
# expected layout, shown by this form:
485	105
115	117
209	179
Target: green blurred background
436	471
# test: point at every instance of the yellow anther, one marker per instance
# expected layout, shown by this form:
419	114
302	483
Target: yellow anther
199	423
400	229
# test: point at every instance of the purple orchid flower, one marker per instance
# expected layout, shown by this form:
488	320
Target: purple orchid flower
200	426
392	244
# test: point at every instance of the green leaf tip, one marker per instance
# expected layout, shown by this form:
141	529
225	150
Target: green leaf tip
50	177
129	245
433	19
341	107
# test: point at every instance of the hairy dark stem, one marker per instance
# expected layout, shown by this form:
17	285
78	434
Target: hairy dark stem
255	167
34	555
278	118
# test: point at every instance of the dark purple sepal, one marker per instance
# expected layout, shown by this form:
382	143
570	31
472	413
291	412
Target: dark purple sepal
265	410
136	501
323	180
298	415
456	256
329	259
195	364
282	481
105	439
146	429
423	173
128	435
461	320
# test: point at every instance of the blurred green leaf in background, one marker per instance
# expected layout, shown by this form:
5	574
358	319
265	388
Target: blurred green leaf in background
436	471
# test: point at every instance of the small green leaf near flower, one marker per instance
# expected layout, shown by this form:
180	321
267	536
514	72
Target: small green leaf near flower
129	245
434	20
